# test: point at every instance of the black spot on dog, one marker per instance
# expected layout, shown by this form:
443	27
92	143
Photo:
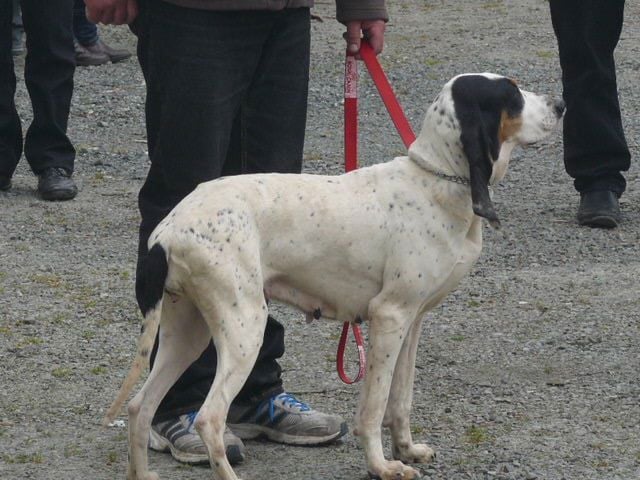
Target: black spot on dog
151	277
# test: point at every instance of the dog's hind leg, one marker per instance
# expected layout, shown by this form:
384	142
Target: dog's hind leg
389	325
398	410
182	339
237	324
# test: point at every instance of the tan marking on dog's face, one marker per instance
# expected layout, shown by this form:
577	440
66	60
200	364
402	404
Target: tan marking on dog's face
509	127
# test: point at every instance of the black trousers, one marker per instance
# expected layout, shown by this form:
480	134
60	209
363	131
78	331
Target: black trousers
226	95
49	69
595	149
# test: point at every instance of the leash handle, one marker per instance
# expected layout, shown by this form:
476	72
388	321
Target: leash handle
350	113
386	93
362	357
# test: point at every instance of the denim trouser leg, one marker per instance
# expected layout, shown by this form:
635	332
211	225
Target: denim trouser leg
226	94
595	149
84	31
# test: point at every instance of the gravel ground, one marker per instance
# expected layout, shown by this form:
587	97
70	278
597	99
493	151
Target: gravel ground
528	371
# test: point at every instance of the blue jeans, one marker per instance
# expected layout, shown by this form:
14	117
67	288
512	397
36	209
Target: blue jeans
226	95
85	32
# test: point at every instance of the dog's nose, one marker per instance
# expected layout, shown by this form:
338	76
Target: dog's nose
559	106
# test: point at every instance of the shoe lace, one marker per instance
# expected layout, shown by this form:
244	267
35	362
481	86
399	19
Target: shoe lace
56	172
191	418
287	400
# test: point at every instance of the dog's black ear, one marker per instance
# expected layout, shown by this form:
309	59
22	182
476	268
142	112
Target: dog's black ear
479	121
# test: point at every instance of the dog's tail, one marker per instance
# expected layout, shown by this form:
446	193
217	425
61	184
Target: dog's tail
150	283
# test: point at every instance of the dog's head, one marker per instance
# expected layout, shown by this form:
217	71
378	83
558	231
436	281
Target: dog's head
487	115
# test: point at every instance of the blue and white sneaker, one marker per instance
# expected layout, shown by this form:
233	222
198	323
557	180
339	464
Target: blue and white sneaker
284	419
180	437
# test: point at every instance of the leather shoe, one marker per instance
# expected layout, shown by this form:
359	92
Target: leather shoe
599	209
98	54
115	54
55	183
5	183
86	57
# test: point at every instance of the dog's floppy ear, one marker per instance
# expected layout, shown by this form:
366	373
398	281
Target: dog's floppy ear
479	125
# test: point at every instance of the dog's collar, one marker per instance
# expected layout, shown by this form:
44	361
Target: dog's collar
449	178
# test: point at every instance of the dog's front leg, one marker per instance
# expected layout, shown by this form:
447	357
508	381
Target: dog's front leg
387	331
399	405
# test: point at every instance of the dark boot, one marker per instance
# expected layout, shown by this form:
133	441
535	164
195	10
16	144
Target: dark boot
5	183
599	209
55	183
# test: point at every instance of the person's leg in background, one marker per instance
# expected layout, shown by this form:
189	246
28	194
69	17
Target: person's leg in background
17	48
90	48
10	128
595	149
49	69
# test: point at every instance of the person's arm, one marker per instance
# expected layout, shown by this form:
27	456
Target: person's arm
363	18
114	12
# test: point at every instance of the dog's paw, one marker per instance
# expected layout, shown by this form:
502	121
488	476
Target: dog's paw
417	453
395	471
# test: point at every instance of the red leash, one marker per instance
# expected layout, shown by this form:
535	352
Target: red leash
351	162
386	93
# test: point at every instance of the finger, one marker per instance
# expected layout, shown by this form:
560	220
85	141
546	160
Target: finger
375	36
353	37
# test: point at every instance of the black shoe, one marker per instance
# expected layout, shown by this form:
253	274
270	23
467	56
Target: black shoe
5	183
599	209
55	183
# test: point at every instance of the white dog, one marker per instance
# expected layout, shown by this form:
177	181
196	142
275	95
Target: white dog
382	244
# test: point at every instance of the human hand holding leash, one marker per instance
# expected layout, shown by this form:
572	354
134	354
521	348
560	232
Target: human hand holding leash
112	12
372	30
